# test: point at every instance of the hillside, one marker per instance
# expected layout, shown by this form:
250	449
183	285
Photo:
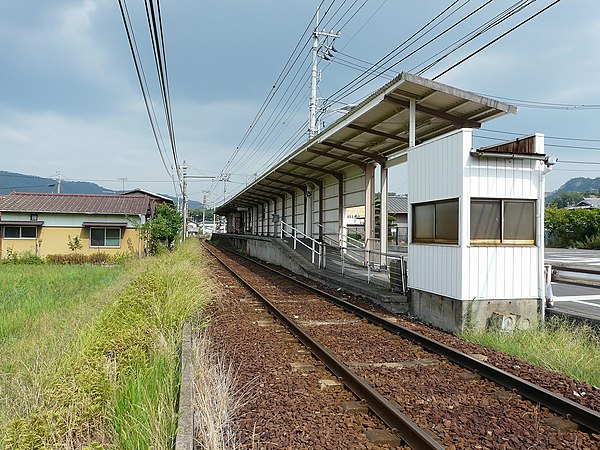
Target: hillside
579	184
17	182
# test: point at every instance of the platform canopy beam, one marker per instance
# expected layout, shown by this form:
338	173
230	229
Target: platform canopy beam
355	162
457	121
377	133
354	151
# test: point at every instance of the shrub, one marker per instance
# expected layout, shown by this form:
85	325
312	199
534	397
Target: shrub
589	243
21	258
566	227
77	258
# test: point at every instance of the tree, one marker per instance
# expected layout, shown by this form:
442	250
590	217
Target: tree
569	227
163	228
565	199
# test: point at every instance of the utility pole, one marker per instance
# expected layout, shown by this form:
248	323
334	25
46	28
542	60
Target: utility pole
123	180
226	177
59	180
322	40
204	210
185	199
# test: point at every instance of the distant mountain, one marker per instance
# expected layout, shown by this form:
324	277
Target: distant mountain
17	182
579	184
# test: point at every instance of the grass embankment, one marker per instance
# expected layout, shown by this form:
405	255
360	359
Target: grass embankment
117	387
564	347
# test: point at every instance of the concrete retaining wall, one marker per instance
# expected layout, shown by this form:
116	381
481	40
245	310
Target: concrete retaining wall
459	315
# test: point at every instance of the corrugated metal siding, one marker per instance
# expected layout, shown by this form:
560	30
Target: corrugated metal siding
300	210
435	169
435	269
501	271
501	178
434	173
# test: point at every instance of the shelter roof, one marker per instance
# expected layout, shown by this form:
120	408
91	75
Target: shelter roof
74	203
373	131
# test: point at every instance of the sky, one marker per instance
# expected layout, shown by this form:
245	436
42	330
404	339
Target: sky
70	102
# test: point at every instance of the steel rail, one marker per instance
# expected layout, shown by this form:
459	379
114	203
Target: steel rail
408	431
586	417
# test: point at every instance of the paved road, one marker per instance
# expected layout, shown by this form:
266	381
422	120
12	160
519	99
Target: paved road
573	257
576	299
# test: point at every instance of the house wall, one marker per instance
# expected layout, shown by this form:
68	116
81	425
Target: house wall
54	235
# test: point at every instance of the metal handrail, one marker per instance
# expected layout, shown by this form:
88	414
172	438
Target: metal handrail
357	243
316	247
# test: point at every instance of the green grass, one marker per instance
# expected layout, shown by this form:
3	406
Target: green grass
42	311
27	293
117	387
573	350
144	409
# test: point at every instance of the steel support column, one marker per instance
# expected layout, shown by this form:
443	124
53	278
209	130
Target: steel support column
383	214
369	205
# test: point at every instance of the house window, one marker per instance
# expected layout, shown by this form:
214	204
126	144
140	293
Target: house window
436	222
502	221
11	232
105	237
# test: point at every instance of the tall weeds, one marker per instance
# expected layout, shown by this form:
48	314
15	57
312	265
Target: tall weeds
562	346
218	397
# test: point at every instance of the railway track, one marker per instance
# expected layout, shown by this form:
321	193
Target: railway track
431	395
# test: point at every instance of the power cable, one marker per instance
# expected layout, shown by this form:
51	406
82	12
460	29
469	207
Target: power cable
343	91
142	81
154	18
477	32
506	33
276	85
547	137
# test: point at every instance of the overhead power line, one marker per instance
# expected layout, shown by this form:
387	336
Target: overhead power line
143	82
493	41
155	25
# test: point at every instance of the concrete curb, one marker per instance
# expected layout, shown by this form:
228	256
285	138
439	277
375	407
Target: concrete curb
184	440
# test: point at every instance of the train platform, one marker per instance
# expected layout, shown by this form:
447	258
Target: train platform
355	280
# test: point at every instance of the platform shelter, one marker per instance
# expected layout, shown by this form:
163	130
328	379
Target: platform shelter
475	250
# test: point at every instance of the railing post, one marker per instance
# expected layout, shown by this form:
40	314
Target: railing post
342	260
368	266
313	252
294	239
281	230
404	275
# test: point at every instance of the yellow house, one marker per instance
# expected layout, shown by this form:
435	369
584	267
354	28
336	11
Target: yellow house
46	224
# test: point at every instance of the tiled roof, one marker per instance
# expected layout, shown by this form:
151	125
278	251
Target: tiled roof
74	203
592	201
398	204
